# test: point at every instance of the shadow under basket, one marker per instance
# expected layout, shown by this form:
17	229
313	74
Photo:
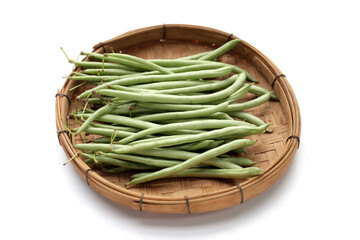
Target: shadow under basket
274	151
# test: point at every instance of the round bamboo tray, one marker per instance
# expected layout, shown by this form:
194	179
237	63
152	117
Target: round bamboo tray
274	152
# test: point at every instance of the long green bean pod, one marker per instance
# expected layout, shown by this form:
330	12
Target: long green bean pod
162	163
165	172
194	56
101	65
158	152
240	131
100	112
166	98
210	173
186	114
257	90
126	62
132	80
202	87
221	50
117	162
249	118
108	71
202	124
231	108
170	84
146	64
127	121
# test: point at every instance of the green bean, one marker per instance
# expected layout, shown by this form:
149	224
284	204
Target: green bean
244	162
131	64
240	150
93	147
117	162
249	104
203	87
170	107
249	118
117	170
202	124
195	65
221	50
186	114
92	78
151	161
131	89
183	63
108	132
112	74
132	122
241	131
99	99
158	138
101	111
194	146
106	140
146	64
165	172
108	72
236	95
215	116
205	144
169	85
257	90
202	66
182	107
79	74
162	153
225	164
110	118
132	110
195	56
209	173
105	65
145	97
144	160
215	144
120	128
131	80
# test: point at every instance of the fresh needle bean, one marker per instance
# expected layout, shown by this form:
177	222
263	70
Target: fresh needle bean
240	131
209	173
100	112
111	118
131	80
165	172
186	114
221	50
249	118
166	98
142	62
202	124
110	71
116	162
130	64
100	65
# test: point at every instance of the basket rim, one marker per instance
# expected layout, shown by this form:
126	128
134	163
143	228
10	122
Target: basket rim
280	84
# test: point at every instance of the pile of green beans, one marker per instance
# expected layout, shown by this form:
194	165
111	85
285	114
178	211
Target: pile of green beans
167	117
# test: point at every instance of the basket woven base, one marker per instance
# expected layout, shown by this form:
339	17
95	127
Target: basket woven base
273	151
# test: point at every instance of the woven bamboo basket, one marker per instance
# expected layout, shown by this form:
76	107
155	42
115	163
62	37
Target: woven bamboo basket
274	152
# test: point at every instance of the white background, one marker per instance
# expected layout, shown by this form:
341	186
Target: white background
315	43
